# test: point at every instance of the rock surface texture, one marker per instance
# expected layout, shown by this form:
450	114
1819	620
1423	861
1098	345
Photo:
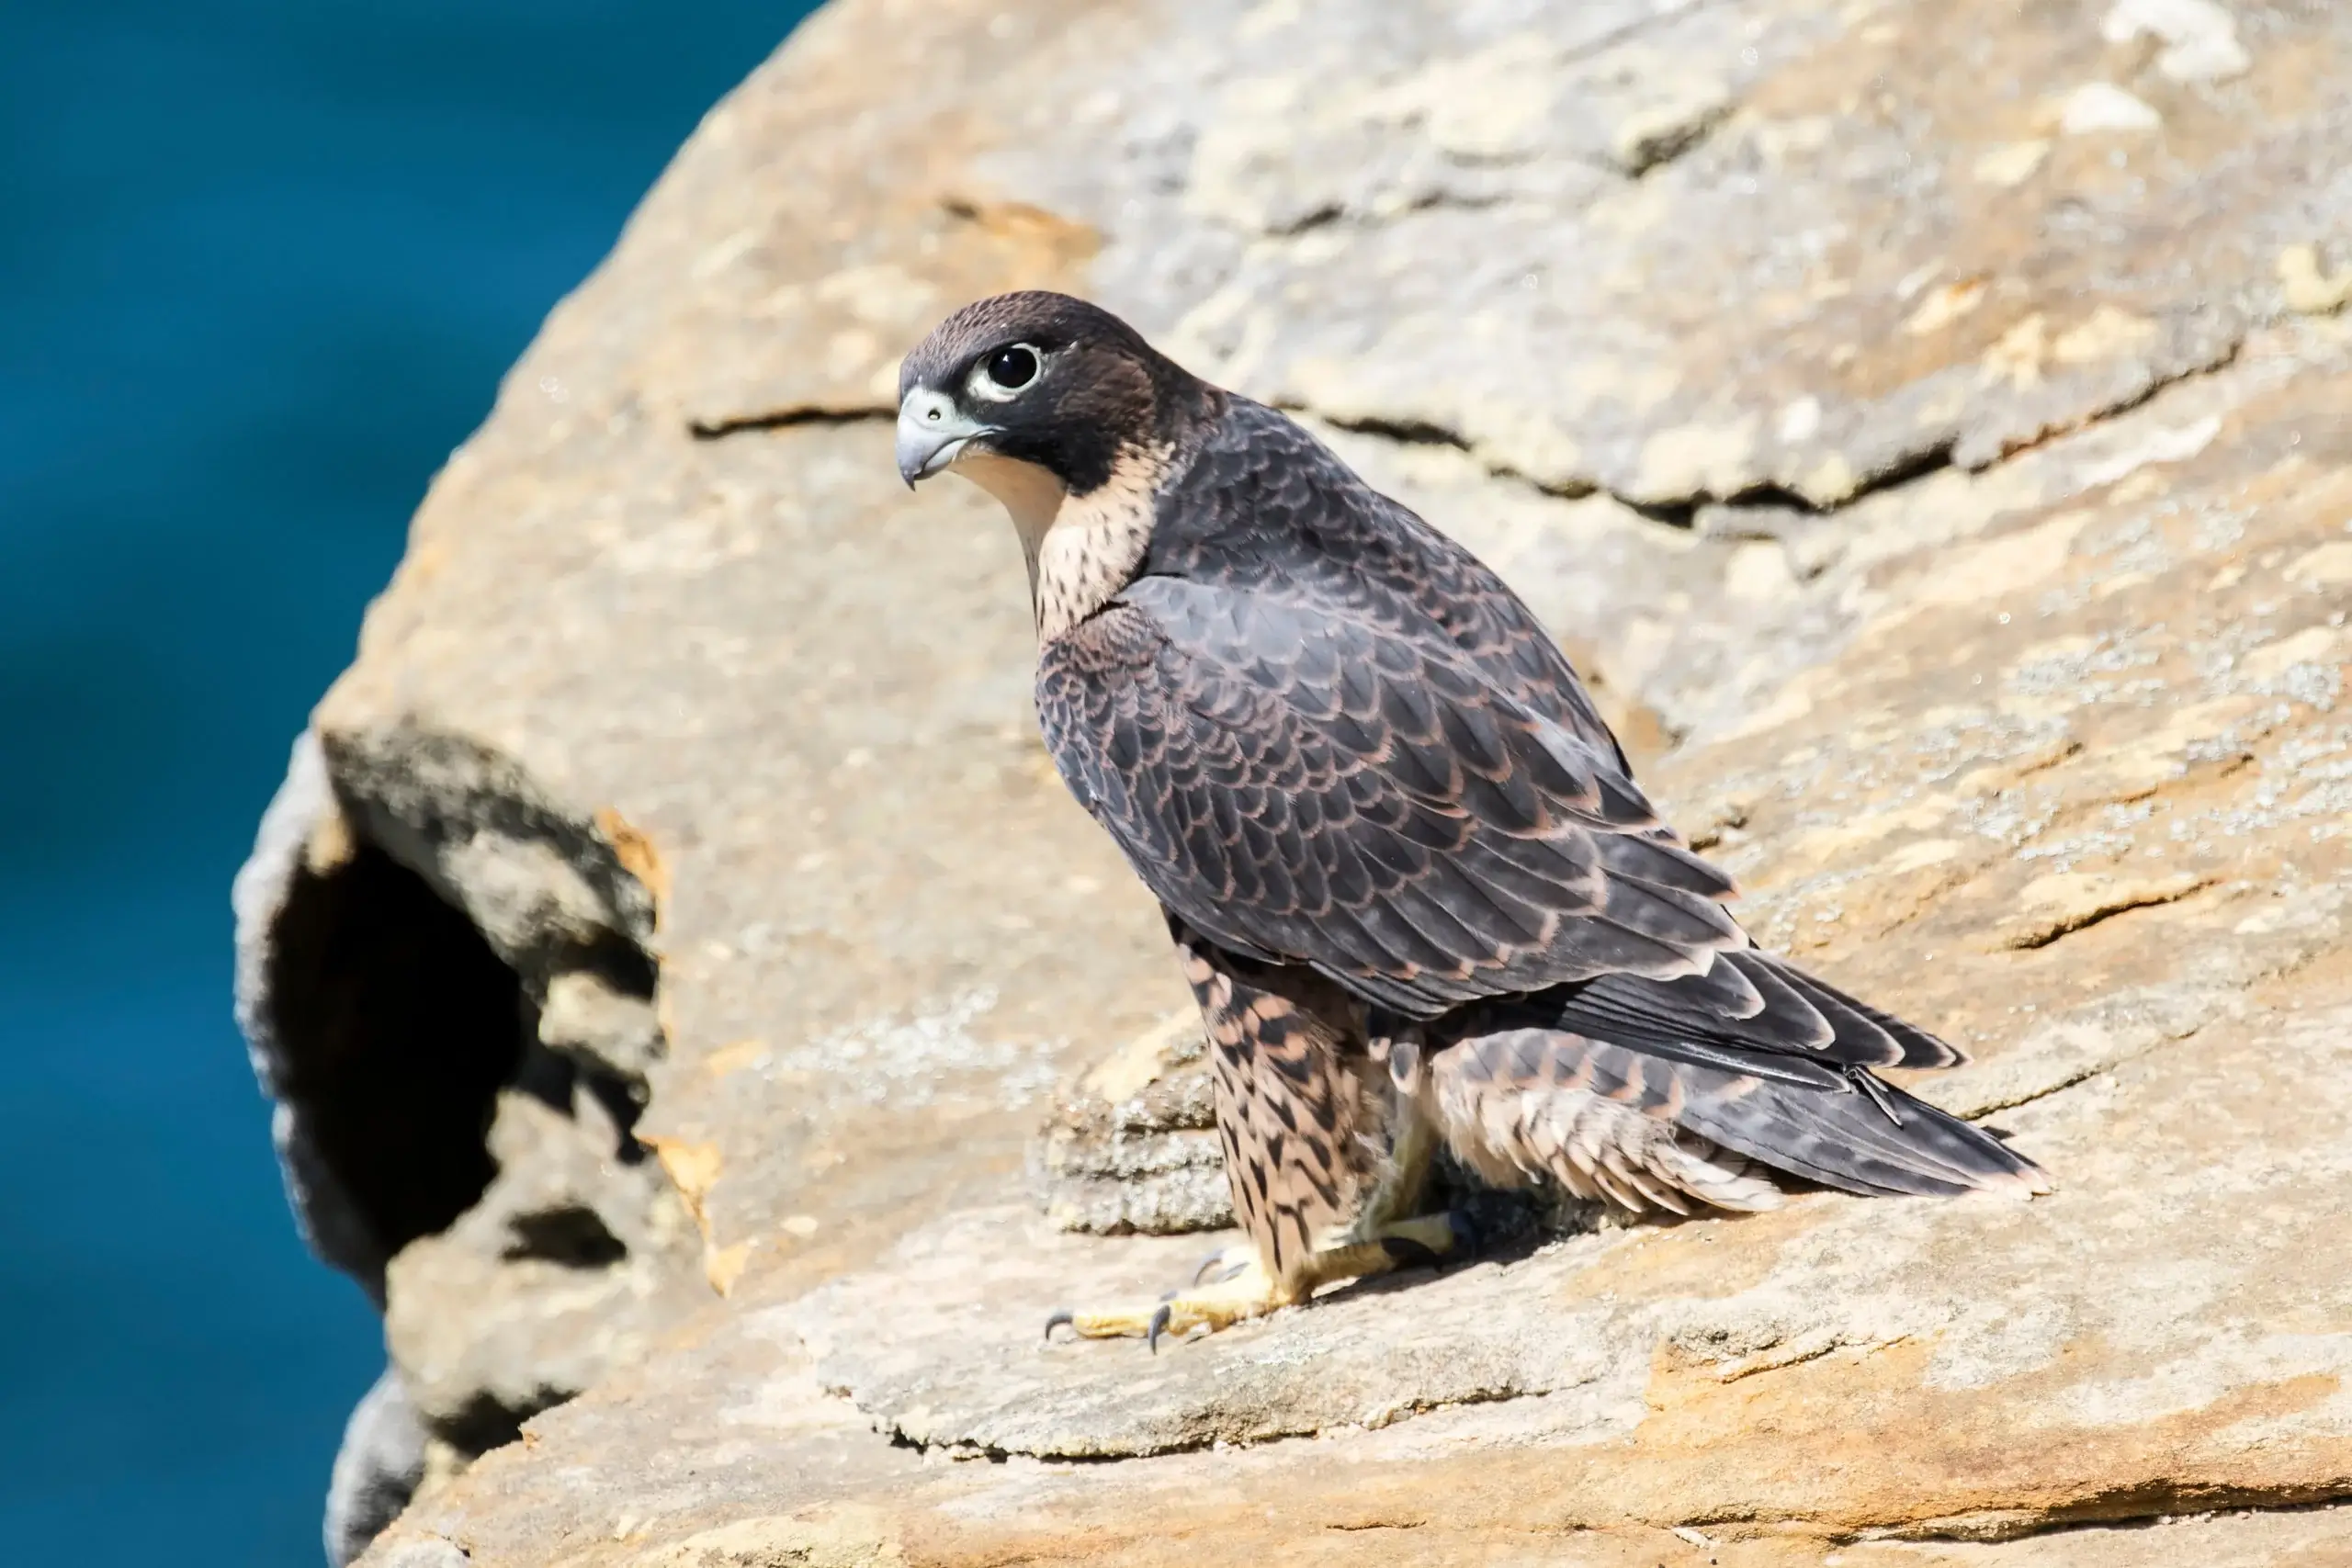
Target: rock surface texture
1927	424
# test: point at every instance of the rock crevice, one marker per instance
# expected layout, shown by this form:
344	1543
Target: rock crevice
449	992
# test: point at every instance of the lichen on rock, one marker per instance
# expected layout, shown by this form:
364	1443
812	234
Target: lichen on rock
1131	1146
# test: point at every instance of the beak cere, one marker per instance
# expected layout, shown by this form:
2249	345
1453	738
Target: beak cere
933	433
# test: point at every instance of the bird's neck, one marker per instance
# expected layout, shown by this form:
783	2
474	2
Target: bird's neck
1082	548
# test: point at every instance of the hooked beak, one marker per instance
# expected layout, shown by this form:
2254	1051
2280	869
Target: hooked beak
933	433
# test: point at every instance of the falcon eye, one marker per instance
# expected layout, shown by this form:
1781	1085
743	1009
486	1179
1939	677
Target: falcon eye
1014	367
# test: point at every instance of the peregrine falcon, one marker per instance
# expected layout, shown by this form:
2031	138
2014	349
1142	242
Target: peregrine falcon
1411	881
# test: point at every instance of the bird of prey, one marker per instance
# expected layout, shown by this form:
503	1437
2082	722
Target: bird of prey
1410	875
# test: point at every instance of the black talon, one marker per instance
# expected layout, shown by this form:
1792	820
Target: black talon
1205	1265
1159	1326
1060	1320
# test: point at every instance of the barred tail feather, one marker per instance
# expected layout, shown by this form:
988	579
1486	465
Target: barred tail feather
1648	1133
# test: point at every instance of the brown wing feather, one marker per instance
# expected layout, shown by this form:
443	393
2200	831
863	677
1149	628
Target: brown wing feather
1262	504
1302	785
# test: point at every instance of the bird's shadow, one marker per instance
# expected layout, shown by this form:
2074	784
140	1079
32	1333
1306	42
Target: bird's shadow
1508	1226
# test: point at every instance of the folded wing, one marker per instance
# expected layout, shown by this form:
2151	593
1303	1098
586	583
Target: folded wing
1306	787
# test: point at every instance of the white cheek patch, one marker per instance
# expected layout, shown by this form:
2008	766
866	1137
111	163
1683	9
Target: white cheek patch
1081	550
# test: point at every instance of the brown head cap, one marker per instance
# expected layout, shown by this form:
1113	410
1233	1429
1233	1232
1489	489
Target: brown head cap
1041	379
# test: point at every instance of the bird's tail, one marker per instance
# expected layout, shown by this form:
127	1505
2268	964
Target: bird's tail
1647	1132
1873	1139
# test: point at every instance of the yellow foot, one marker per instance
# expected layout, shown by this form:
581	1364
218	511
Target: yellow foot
1239	1287
1404	1244
1243	1293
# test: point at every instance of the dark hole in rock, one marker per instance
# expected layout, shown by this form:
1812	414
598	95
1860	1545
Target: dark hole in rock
557	1081
398	1024
623	1103
547	1077
626	966
484	1424
572	1235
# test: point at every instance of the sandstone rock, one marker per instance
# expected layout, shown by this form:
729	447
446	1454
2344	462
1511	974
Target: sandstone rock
574	1253
1133	1146
1957	496
399	913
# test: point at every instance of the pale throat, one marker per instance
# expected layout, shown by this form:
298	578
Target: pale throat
1080	549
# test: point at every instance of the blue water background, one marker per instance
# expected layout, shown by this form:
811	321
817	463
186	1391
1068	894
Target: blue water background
261	264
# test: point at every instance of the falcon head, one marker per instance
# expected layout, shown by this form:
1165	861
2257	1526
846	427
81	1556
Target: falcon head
1037	390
